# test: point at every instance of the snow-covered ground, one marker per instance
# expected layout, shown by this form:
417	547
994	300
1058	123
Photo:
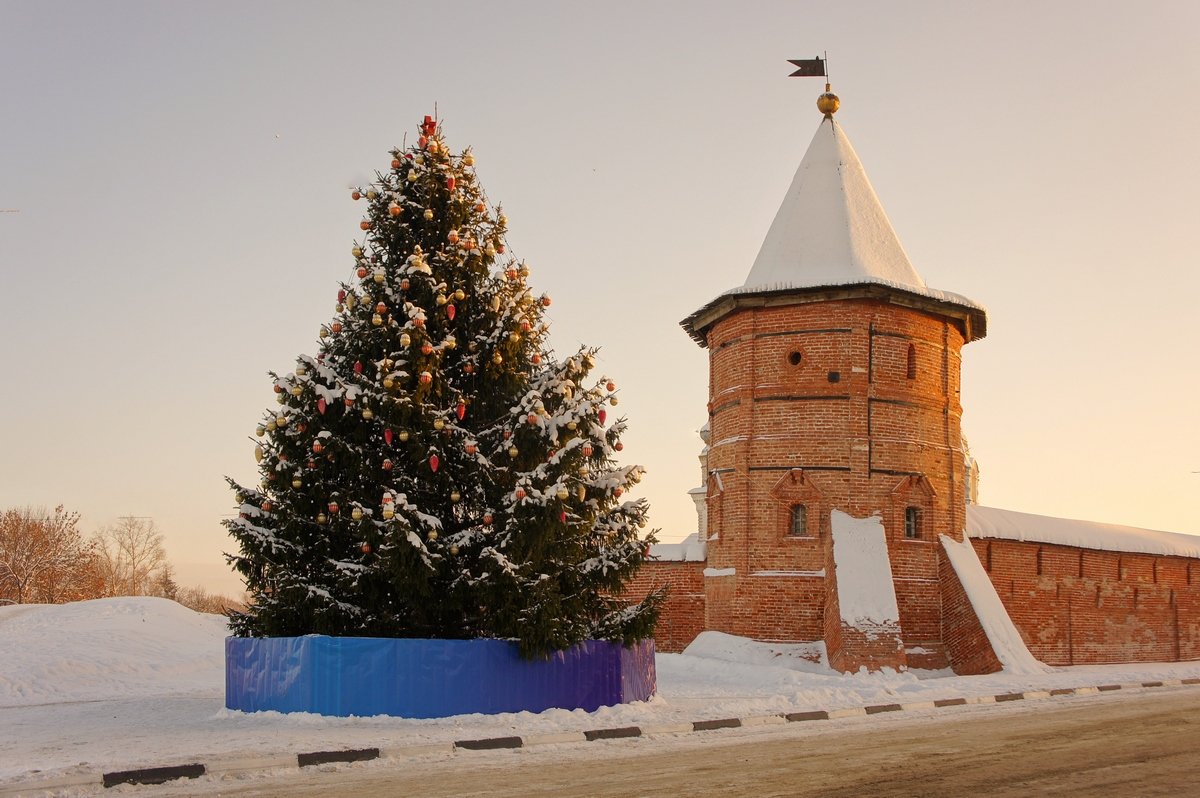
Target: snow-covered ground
121	683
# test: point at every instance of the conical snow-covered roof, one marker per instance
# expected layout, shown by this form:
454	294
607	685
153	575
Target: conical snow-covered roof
831	229
832	232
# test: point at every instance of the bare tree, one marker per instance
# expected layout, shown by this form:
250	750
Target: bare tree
131	556
200	600
43	556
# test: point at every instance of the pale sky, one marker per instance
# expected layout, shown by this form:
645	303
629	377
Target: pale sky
179	173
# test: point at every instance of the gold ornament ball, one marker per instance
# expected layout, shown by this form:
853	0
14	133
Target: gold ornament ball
828	103
613	401
258	454
562	494
405	339
402	435
372	194
455	496
502	220
368	413
468	160
454	550
356	514
497	358
321	519
281	421
376	319
512	451
297	390
296	483
379	276
428	215
301	371
460	295
356	252
272	425
432	535
412	175
389	513
571	425
438	424
389	383
260	430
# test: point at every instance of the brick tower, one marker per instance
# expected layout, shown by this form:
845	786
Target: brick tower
835	459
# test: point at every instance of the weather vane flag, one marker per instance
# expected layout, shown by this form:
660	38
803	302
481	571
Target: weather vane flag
828	103
808	68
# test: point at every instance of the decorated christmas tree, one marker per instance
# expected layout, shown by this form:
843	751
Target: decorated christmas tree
435	471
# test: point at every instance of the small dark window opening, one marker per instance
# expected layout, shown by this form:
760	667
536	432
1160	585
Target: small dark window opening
835	376
799	521
912	522
794	358
912	362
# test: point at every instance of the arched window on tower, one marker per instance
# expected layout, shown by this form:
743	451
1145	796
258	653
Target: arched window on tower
912	522
799	522
912	362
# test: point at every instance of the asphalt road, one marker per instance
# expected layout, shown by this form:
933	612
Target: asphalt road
1144	744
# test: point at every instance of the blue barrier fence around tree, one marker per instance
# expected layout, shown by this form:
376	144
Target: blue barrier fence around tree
428	678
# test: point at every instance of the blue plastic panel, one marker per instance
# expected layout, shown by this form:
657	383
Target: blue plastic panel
428	678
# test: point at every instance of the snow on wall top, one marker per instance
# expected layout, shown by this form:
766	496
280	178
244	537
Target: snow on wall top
690	549
831	229
990	522
1001	632
866	594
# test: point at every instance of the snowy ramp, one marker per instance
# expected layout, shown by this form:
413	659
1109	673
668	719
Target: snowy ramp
997	625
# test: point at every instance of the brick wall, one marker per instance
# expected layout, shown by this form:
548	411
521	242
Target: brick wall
682	615
1079	606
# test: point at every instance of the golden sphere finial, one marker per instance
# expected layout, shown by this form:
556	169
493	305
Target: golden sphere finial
828	103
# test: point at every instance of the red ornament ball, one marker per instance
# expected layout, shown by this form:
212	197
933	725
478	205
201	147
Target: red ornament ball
354	195
364	224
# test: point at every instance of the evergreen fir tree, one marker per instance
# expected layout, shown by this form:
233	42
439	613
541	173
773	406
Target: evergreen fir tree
435	471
